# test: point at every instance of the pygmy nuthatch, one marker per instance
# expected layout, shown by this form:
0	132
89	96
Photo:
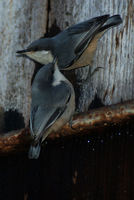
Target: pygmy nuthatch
53	104
75	46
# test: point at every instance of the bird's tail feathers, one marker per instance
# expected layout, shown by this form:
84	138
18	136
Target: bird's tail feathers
112	21
34	151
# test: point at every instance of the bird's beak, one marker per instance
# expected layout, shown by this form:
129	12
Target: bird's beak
22	51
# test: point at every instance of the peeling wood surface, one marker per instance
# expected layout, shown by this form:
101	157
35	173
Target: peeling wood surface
81	124
114	53
21	23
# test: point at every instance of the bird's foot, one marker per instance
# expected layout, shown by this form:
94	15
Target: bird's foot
71	123
90	74
95	70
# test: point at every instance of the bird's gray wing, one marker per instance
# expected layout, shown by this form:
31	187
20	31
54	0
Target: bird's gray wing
41	119
86	37
100	24
87	25
81	35
43	116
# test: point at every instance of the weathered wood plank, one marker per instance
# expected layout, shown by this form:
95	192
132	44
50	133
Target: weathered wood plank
21	22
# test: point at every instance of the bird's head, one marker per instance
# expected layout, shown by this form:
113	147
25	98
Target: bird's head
39	51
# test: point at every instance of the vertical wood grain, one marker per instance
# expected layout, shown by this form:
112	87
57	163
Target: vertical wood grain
21	23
